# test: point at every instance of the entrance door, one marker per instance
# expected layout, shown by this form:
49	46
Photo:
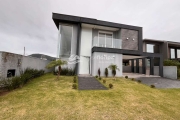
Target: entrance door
84	65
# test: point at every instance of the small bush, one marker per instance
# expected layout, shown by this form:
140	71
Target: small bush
106	72
99	72
74	80
100	78
126	77
139	81
132	79
96	76
110	85
74	86
152	86
104	81
66	71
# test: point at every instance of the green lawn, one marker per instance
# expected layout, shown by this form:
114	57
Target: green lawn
46	98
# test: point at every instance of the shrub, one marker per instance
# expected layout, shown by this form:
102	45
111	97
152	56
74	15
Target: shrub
139	81
126	77
67	71
104	81
74	86
75	80
19	81
99	72
152	86
100	78
110	85
106	72
132	79
96	76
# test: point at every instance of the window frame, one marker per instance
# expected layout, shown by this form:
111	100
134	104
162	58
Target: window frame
105	32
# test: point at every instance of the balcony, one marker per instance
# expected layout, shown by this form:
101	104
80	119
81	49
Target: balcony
107	42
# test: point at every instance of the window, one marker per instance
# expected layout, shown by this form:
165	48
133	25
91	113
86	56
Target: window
105	39
150	48
11	73
172	51
102	39
108	40
178	53
65	37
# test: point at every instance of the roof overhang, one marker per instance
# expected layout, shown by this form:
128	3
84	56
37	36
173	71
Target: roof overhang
57	18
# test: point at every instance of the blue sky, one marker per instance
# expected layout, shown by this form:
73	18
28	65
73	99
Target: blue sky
29	22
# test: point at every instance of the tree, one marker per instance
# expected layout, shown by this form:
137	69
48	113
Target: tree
106	72
99	72
56	63
113	67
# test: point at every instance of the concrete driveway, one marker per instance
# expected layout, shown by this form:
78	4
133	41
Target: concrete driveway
160	82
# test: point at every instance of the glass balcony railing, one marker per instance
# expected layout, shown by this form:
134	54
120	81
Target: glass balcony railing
108	43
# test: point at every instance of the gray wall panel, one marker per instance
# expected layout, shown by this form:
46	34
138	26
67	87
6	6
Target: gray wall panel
129	44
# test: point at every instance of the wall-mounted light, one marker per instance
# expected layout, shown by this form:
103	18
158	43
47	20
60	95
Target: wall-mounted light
127	38
133	39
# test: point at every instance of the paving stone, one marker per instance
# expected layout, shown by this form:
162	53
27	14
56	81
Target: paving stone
89	83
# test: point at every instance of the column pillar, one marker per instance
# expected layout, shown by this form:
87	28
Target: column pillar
132	66
161	66
143	65
151	66
137	65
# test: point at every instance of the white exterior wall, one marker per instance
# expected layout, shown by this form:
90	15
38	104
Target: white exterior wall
85	50
10	61
34	63
99	60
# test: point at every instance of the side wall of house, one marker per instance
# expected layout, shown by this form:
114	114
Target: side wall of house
132	42
103	60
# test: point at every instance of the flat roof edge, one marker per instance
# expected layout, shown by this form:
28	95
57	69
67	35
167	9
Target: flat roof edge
77	19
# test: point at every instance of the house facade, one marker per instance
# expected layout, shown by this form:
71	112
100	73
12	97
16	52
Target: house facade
169	49
96	44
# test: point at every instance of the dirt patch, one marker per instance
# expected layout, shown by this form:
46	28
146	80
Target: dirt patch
3	92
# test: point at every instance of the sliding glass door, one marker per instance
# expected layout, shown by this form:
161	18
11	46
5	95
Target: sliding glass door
105	39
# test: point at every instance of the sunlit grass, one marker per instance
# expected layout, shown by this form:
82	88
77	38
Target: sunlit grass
47	98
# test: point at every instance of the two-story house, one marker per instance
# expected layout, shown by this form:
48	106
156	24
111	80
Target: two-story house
99	44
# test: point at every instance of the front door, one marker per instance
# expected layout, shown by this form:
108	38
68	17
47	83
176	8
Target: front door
84	65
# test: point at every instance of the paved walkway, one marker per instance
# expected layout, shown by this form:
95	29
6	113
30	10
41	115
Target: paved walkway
160	82
137	75
89	83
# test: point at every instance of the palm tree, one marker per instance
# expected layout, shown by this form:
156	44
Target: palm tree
56	63
113	67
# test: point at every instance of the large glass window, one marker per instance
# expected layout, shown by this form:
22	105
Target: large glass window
172	53
105	40
65	40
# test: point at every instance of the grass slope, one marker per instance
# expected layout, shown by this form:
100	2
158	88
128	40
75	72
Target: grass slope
46	98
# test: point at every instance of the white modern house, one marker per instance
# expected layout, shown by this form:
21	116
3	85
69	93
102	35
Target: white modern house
92	44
